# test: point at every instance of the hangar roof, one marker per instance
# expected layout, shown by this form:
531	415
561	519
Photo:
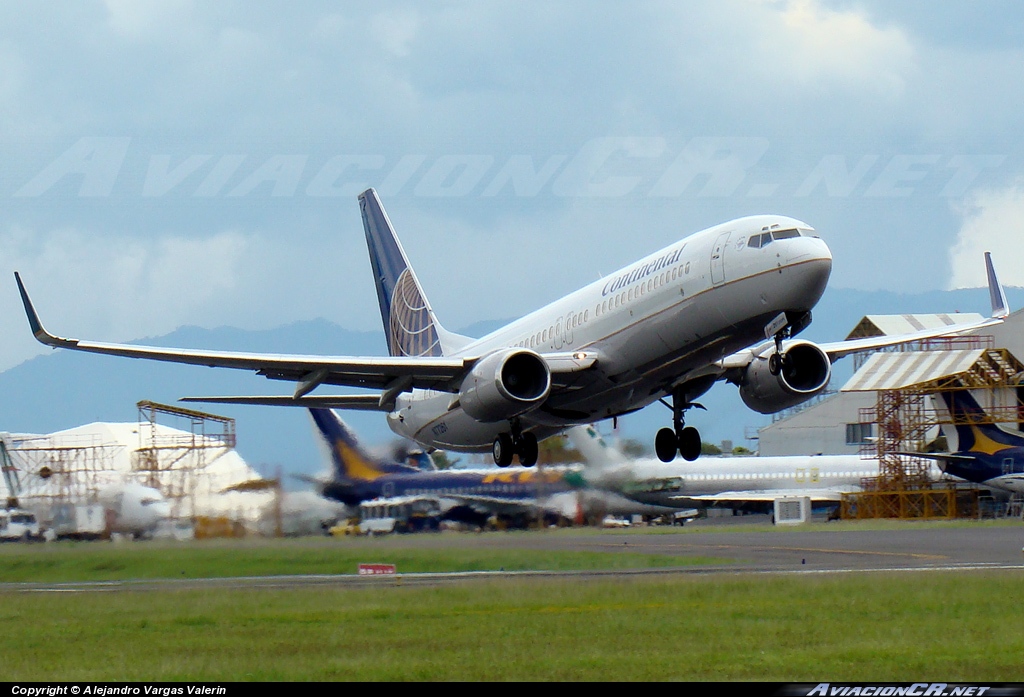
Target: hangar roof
891	325
894	371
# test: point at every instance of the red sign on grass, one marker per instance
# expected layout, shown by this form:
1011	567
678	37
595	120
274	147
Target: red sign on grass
376	569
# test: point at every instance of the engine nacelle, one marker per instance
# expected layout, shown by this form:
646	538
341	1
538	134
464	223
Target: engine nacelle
806	372
505	384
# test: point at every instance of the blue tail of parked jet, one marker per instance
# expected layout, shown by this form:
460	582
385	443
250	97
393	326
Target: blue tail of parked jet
973	435
351	461
983	453
410	326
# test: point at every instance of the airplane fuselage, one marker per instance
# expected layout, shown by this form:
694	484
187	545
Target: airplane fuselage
819	476
651	324
1003	469
495	484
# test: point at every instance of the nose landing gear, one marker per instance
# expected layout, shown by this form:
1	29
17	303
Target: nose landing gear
515	443
681	439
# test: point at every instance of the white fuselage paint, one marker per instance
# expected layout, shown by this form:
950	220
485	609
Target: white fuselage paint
822	477
136	510
650	324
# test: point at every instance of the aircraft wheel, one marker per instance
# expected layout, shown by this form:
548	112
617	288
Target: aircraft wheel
502	450
528	450
689	443
775	364
665	445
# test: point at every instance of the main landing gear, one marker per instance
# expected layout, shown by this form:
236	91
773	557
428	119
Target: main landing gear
515	443
678	439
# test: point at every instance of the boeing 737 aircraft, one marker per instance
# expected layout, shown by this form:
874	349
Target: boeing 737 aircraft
748	482
135	509
721	304
126	508
981	452
513	495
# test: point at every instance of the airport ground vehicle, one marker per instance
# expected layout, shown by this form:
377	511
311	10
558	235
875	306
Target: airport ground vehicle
400	514
80	521
18	525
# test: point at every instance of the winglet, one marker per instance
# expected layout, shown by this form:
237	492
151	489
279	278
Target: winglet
1000	307
34	324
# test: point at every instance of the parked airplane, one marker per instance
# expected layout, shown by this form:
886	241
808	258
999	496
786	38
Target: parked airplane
980	452
721	304
125	508
135	509
514	495
747	482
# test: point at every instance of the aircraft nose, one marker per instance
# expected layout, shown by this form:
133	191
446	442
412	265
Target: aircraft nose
809	249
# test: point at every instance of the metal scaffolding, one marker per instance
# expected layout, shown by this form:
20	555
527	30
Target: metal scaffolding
173	460
905	419
68	470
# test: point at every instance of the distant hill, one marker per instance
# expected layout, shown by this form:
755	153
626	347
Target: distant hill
66	389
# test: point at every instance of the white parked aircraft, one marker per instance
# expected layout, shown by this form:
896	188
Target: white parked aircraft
721	304
727	481
135	509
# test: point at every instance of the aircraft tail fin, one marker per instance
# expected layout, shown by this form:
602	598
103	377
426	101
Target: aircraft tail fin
596	452
968	431
350	460
410	326
1000	306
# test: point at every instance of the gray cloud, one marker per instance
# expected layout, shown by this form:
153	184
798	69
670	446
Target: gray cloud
521	150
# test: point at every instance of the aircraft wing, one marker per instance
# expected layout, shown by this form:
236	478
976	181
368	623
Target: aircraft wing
390	373
838	349
356	402
480	503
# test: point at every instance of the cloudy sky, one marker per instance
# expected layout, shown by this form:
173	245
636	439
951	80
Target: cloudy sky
176	162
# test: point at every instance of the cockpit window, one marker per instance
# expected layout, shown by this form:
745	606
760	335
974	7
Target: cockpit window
804	232
785	234
762	240
755	241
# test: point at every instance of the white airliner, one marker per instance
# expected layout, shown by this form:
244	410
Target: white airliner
136	510
126	508
721	304
754	482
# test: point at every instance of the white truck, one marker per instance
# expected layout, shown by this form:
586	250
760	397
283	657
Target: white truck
18	525
80	522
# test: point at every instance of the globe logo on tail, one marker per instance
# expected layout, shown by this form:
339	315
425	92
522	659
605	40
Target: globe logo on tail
412	330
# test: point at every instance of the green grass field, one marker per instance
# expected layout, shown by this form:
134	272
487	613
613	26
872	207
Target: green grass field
947	626
935	626
98	561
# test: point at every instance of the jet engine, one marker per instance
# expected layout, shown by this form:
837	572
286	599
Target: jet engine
505	384
804	372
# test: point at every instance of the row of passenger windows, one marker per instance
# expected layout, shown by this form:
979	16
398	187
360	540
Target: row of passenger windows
813	475
542	337
667	276
466	490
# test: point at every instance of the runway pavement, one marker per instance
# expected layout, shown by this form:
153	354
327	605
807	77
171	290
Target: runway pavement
906	547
